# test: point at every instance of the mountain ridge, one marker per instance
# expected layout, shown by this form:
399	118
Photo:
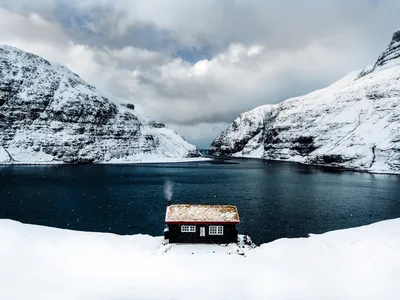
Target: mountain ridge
353	123
48	114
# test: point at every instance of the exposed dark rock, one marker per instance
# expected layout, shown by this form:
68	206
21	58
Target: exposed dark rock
305	140
329	159
130	106
156	124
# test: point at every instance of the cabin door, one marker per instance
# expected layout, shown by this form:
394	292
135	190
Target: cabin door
202	231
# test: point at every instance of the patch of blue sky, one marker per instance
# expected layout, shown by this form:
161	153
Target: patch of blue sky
194	54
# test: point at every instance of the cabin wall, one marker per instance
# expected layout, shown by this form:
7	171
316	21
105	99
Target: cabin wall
176	236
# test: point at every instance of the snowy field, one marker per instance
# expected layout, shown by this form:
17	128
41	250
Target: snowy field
46	263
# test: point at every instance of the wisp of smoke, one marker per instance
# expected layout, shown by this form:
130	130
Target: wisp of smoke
168	190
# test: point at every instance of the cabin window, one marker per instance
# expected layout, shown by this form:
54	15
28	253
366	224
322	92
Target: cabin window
188	228
216	230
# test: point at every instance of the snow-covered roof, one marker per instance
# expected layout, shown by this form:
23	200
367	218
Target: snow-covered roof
189	213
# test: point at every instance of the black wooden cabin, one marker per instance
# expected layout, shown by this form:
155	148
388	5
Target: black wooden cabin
211	224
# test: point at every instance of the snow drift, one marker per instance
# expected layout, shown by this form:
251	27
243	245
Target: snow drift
47	263
48	114
354	123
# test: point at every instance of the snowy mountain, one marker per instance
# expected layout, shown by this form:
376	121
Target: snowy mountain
48	114
354	123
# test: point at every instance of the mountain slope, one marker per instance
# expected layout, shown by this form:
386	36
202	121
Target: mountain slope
50	115
354	123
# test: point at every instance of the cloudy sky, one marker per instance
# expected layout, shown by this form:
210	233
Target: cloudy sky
196	65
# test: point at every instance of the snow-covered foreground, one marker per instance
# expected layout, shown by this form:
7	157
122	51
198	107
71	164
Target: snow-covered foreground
47	263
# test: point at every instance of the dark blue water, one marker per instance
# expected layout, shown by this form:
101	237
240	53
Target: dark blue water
275	199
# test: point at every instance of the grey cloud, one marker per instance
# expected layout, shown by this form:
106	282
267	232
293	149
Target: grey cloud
172	25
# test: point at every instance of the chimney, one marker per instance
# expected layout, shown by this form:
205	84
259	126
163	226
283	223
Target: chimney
169	202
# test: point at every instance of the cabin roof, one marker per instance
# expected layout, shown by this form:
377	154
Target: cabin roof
200	213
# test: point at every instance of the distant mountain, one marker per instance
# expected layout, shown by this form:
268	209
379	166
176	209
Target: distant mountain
354	123
48	114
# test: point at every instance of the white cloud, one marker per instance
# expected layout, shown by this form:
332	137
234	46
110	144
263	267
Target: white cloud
32	33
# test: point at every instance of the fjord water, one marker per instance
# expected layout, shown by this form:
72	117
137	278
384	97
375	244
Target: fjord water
275	199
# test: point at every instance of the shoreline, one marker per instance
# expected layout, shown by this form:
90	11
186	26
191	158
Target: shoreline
144	161
210	158
317	166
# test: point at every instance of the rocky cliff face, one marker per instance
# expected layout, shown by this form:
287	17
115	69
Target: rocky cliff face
50	115
354	123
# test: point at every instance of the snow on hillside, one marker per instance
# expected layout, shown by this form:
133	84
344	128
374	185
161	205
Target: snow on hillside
354	123
48	114
47	263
